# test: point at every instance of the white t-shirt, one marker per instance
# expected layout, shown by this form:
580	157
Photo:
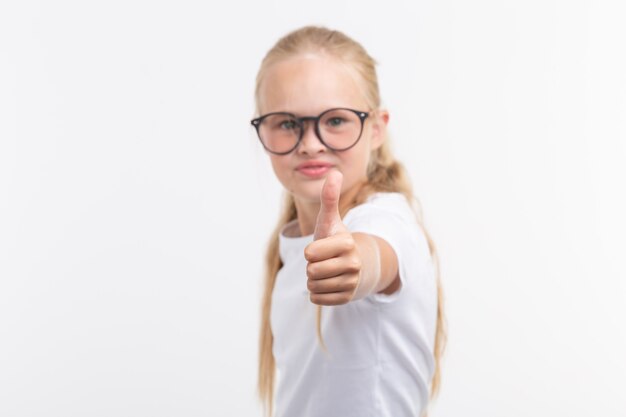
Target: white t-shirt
380	348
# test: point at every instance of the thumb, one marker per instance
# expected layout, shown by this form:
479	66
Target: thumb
328	219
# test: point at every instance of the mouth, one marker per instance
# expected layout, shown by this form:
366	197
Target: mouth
314	169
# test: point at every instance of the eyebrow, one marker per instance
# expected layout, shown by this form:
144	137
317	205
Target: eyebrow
299	114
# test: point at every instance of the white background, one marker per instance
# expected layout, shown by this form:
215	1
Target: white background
135	201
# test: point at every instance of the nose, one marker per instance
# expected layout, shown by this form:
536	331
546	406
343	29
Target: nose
310	143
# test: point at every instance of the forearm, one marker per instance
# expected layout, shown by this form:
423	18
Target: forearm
379	265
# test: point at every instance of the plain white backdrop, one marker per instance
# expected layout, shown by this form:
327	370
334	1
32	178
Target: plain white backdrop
135	201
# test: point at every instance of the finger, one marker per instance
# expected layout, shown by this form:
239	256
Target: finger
329	247
328	219
332	299
342	283
333	267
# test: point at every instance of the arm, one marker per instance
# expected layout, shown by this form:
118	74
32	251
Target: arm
344	266
379	269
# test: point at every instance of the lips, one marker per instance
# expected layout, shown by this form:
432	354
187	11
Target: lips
314	169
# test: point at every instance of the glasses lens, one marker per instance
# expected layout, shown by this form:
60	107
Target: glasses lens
279	132
340	128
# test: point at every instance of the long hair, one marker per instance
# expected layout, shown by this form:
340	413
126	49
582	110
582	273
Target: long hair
384	174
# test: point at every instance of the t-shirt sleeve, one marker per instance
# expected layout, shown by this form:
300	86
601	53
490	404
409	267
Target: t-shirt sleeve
392	220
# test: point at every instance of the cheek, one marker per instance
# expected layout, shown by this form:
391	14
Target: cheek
362	152
355	163
281	169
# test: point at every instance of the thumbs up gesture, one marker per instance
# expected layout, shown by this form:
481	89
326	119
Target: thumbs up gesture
334	263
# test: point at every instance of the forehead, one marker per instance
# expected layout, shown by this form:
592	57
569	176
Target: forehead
310	84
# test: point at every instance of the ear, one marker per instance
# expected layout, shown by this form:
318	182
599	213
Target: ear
379	128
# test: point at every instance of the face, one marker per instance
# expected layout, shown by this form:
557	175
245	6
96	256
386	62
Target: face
306	86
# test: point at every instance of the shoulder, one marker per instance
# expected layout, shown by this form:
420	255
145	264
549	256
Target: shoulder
383	204
389	216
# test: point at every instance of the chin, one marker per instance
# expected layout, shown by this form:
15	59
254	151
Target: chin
309	192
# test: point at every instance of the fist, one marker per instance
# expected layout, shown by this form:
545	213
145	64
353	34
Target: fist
333	262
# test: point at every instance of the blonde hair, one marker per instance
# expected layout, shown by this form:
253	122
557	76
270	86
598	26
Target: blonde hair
385	174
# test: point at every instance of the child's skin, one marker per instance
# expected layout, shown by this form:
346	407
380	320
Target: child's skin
342	266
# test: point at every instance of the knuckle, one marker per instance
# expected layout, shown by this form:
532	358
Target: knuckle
345	299
311	285
310	270
330	301
315	299
355	281
350	284
348	243
354	264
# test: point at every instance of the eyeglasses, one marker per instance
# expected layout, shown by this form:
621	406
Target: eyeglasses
338	129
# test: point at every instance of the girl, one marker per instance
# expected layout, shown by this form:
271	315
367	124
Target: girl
347	240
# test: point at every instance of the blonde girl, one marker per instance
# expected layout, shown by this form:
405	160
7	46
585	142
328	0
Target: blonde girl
348	239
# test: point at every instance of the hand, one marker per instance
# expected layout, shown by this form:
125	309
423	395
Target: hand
334	263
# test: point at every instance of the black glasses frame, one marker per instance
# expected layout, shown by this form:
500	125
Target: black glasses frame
300	122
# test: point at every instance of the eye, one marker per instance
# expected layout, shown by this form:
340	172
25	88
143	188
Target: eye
335	121
287	124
